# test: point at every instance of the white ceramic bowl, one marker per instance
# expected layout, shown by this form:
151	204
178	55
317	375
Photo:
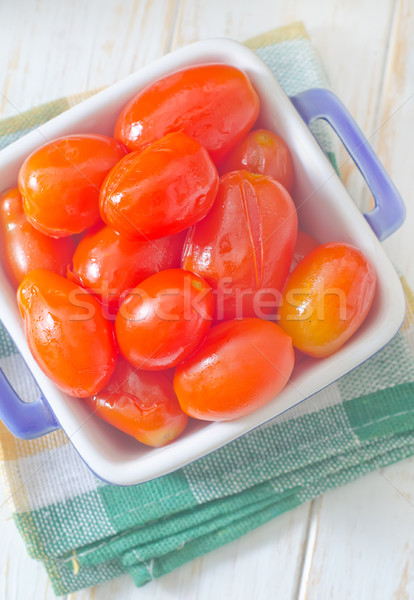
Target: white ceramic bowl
325	210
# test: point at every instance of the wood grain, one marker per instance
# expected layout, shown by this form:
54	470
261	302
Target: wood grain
395	129
54	49
371	556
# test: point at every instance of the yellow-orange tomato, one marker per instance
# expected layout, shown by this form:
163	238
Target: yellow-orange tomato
66	333
141	404
60	182
24	248
241	366
326	298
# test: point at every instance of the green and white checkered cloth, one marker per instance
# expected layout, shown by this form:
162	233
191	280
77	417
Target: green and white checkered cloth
85	531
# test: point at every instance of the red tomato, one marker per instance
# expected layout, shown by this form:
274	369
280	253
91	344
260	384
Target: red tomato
109	265
305	243
66	332
60	182
241	366
244	246
22	247
264	152
327	298
141	404
215	104
164	319
160	191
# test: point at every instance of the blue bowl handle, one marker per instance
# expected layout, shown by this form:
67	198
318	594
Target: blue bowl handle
389	212
26	420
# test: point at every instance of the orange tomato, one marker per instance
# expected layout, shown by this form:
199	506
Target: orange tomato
141	404
164	319
60	182
241	366
66	332
326	298
22	247
109	264
262	151
216	104
160	191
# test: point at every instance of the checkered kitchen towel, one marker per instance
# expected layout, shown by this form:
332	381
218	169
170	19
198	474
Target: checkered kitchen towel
85	531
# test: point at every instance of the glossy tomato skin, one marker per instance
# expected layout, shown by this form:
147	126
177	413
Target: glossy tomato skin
141	404
164	319
244	246
305	243
216	104
241	366
109	264
22	247
66	333
264	152
160	191
326	298
60	182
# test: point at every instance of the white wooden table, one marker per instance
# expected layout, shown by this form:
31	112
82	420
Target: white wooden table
356	542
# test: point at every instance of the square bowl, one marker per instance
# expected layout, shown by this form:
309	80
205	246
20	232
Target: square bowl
325	210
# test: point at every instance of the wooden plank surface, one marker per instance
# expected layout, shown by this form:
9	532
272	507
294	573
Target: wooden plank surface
371	556
354	542
395	129
53	49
